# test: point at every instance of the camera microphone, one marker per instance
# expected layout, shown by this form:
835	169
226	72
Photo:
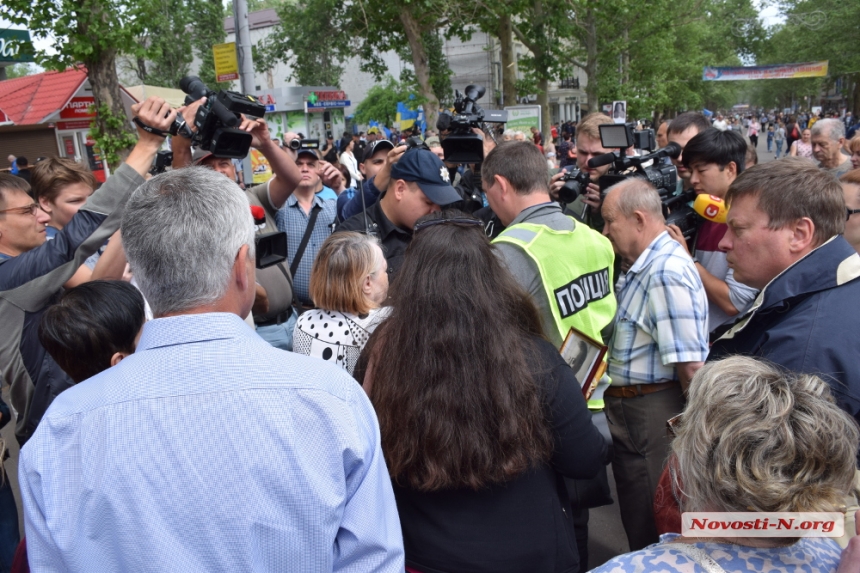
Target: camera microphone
602	160
711	208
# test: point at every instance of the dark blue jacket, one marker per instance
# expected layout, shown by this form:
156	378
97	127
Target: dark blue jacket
808	320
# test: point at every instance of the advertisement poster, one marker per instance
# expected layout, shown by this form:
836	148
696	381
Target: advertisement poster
523	117
226	63
619	111
260	167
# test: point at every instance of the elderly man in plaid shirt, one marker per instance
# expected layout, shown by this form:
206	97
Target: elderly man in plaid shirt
660	340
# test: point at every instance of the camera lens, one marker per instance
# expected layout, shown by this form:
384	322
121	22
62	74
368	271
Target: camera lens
295	144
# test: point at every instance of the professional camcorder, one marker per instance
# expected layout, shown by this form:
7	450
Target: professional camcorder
461	145
662	176
218	119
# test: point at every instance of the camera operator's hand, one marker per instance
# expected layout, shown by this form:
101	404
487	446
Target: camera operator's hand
331	177
157	113
189	112
259	130
592	196
676	234
382	178
555	184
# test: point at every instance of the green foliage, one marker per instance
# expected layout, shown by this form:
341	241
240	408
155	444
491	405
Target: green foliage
257	5
110	135
309	38
814	30
381	101
167	39
81	31
19	71
208	24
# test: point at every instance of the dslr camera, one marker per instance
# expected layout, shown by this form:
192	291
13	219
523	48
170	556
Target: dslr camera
217	121
461	145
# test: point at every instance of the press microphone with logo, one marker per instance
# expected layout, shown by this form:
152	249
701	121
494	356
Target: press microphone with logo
711	208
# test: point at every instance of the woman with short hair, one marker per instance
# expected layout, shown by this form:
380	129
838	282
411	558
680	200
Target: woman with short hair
349	283
755	438
480	417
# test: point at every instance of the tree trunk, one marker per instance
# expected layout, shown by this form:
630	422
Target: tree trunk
509	61
421	62
543	100
592	90
855	101
105	84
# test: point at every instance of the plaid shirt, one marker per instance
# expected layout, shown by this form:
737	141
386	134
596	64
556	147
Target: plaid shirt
293	220
662	316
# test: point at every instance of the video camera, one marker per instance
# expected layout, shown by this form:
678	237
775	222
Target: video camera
662	176
218	119
461	145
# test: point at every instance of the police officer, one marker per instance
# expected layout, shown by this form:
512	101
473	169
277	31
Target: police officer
567	268
565	265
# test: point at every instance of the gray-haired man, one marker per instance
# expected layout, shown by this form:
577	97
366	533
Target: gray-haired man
828	138
139	467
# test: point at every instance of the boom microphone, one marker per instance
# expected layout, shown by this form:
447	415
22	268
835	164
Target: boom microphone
711	208
602	160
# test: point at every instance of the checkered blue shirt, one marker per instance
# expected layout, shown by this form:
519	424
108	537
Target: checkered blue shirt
210	450
662	316
293	220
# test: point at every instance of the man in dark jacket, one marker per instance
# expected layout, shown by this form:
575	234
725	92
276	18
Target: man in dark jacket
784	237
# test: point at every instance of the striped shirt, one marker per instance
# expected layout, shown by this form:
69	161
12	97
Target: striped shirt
662	316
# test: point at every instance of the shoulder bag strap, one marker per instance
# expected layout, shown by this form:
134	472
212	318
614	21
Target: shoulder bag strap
307	237
699	556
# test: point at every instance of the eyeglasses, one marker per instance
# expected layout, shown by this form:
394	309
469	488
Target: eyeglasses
455	221
851	212
28	210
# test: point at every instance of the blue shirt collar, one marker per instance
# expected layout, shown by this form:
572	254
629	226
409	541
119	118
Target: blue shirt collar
292	201
188	328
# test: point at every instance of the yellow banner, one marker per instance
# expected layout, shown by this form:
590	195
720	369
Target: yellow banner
226	63
260	167
773	72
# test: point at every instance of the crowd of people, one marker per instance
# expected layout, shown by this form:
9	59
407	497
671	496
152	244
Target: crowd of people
398	393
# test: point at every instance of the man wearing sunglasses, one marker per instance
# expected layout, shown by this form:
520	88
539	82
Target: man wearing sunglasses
32	272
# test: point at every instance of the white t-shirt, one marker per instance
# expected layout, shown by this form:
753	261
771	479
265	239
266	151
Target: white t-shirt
721	125
338	337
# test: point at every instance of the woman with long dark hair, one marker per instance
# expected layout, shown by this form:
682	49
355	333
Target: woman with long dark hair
479	415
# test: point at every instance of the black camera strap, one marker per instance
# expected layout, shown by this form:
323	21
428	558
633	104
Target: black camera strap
315	211
150	129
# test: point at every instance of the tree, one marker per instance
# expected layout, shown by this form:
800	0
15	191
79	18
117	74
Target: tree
365	28
167	40
92	33
208	30
382	99
297	40
19	71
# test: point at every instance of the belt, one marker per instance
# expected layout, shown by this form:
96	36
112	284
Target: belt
279	318
635	390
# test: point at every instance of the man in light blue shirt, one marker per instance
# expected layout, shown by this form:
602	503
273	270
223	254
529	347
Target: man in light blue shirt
207	449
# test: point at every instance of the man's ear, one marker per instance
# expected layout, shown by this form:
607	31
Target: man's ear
503	183
361	168
802	236
117	357
400	188
639	217
240	269
732	169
